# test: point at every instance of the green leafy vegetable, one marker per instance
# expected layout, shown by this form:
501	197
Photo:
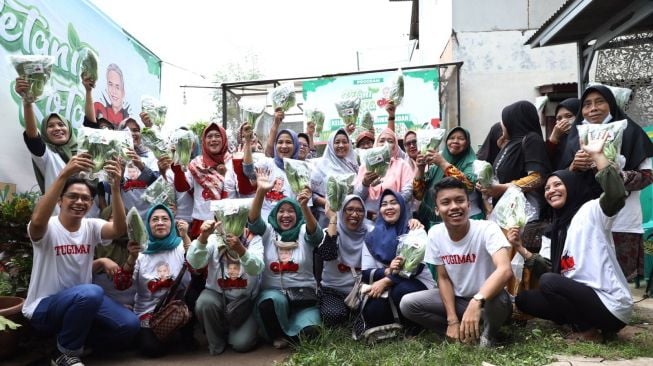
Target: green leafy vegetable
377	159
397	89
36	69
298	173
484	173
348	110
183	143
103	145
136	228
89	65
155	110
510	211
250	112
615	130
368	122
411	247
198	127
429	139
160	192
283	96
317	117
337	188
152	141
232	213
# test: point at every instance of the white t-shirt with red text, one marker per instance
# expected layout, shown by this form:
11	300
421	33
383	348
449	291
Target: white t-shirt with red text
62	259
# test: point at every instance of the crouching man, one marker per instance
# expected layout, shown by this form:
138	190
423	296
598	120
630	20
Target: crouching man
61	300
473	266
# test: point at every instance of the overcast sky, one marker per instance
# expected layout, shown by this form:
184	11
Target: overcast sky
288	37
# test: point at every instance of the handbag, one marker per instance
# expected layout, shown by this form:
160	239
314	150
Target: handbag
237	311
354	298
170	314
301	297
372	334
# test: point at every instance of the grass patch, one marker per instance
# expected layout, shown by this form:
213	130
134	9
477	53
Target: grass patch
533	344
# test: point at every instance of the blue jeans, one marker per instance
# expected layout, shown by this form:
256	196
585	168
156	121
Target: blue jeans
84	315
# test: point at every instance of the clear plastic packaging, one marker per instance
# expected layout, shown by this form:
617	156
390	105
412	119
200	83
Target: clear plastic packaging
89	65
615	130
484	173
283	96
155	110
183	141
103	145
376	159
36	69
232	213
160	192
250	112
397	89
151	139
411	248
429	139
298	173
512	210
348	110
337	188
136	229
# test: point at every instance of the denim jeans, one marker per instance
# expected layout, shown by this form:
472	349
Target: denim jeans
84	315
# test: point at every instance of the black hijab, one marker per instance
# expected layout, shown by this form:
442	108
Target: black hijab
573	106
489	150
525	150
636	146
577	195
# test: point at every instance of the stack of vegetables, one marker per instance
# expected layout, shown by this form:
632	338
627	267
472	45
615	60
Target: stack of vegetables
484	173
337	188
151	139
429	139
250	112
510	211
103	145
182	141
348	110
232	213
298	173
377	159
411	248
615	131
36	69
283	96
160	192
136	228
89	65
155	110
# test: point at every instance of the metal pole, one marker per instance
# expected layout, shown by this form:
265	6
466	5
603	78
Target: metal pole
224	107
358	62
458	89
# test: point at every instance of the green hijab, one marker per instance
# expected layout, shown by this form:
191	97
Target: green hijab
65	151
170	242
293	233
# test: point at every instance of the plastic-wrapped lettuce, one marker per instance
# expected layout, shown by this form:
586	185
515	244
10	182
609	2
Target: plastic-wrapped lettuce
377	159
484	173
182	140
511	210
160	192
429	139
411	247
150	138
232	213
103	145
136	228
250	112
314	115
368	122
36	69
348	110
298	173
155	110
89	65
615	130
283	96
198	127
337	188
397	89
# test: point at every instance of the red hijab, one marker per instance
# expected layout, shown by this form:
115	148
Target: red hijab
208	169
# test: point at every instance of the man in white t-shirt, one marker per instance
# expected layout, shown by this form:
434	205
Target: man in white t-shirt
61	300
473	266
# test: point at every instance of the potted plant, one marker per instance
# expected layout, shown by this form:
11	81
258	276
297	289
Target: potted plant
10	315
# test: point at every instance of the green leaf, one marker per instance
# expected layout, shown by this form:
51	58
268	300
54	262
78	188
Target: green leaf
73	38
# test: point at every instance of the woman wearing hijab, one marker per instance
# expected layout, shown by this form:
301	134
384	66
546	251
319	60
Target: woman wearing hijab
410	146
341	251
287	304
523	160
380	263
586	288
455	161
494	141
398	177
598	105
338	160
205	175
565	114
154	270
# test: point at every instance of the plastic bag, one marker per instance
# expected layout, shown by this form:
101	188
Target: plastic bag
621	95
136	228
103	145
283	96
337	188
183	141
89	65
368	122
348	110
512	210
36	69
160	192
232	213
250	112
316	116
151	139
429	139
615	130
377	159
155	110
298	173
411	247
484	173
397	89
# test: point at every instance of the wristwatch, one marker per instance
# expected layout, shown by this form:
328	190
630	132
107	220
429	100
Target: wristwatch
480	298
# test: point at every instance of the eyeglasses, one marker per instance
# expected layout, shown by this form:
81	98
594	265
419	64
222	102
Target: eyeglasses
74	197
352	210
411	143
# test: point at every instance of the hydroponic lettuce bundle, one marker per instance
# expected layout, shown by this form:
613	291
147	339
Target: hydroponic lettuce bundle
484	173
151	139
36	69
337	188
155	110
298	173
511	210
182	141
250	112
368	122
348	110
411	248
317	117
397	89
103	145
232	213
89	65
377	159
136	228
160	192
429	139
615	130
283	96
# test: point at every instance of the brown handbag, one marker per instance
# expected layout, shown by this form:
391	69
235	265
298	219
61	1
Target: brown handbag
170	314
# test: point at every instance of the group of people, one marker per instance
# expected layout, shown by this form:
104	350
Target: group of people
294	267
